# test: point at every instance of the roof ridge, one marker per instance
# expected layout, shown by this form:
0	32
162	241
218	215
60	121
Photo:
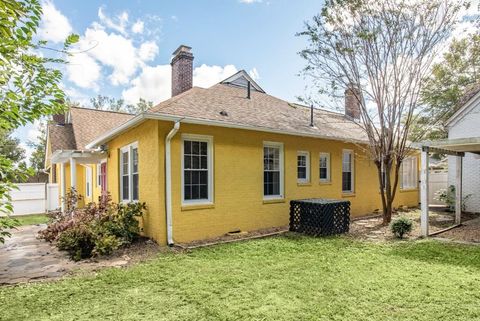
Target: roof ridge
102	110
173	99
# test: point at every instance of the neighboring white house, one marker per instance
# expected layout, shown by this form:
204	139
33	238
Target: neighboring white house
465	123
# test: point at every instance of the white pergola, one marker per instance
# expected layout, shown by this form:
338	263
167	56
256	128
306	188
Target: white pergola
74	157
454	147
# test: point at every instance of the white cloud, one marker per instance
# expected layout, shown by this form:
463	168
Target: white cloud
112	50
148	50
206	76
118	24
137	27
155	84
83	71
254	74
55	26
249	1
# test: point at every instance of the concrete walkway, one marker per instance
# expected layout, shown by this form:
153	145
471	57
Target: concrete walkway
24	258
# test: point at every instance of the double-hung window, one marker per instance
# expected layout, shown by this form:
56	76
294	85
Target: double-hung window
129	173
197	169
303	167
272	170
347	171
324	167
102	175
409	173
88	181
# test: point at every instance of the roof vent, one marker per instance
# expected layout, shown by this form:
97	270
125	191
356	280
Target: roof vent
223	113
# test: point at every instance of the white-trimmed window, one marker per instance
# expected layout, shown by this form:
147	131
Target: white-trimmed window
324	167
129	173
347	171
272	170
88	181
303	167
197	169
409	173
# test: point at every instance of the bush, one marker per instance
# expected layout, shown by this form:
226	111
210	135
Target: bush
401	226
98	229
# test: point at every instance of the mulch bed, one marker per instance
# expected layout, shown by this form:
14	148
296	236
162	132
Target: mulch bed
373	229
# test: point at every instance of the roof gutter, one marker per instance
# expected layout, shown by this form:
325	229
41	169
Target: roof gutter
168	182
199	121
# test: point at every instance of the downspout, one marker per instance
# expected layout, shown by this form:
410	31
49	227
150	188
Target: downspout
168	182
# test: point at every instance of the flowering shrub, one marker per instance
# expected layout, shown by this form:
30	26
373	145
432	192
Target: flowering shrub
98	229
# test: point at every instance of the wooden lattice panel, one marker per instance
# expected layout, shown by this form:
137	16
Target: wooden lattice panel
319	217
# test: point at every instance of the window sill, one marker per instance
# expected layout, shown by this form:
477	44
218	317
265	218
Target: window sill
345	194
304	184
193	207
273	200
325	182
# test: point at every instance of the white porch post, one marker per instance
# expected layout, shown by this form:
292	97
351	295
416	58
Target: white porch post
424	192
458	189
63	187
73	173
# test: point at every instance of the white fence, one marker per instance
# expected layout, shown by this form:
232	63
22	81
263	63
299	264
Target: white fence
34	198
438	180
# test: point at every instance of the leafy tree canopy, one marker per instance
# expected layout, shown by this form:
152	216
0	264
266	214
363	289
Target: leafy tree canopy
29	84
450	78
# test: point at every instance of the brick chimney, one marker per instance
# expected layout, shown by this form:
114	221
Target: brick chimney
352	103
182	70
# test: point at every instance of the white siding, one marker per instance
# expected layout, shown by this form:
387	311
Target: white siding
467	125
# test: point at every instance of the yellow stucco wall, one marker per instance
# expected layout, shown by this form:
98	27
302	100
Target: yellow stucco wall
238	180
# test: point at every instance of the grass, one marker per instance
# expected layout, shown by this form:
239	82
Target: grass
281	278
31	219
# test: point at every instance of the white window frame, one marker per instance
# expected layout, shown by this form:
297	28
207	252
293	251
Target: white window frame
281	168
415	174
307	165
129	149
209	140
327	155
352	166
88	181
98	178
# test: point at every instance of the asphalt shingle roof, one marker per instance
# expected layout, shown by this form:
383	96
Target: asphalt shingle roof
86	124
229	104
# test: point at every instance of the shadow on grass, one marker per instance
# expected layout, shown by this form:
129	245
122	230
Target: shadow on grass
435	252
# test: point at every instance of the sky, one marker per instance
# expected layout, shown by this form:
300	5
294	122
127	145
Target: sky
125	46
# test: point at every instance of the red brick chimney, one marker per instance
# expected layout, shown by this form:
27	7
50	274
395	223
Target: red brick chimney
352	103
182	70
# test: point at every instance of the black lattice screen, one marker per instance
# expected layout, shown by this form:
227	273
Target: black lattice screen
319	217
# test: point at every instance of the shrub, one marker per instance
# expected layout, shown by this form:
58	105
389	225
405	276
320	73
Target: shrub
401	226
78	241
98	229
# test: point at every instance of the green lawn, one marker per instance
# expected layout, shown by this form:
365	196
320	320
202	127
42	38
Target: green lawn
280	278
32	219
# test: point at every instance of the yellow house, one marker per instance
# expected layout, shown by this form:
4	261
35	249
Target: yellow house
230	157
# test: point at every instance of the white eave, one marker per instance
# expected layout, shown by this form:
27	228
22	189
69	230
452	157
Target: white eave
464	110
82	156
208	122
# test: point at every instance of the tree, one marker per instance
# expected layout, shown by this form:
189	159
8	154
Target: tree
10	147
381	50
113	104
29	85
449	79
37	159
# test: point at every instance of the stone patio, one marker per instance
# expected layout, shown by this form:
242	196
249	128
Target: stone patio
24	258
